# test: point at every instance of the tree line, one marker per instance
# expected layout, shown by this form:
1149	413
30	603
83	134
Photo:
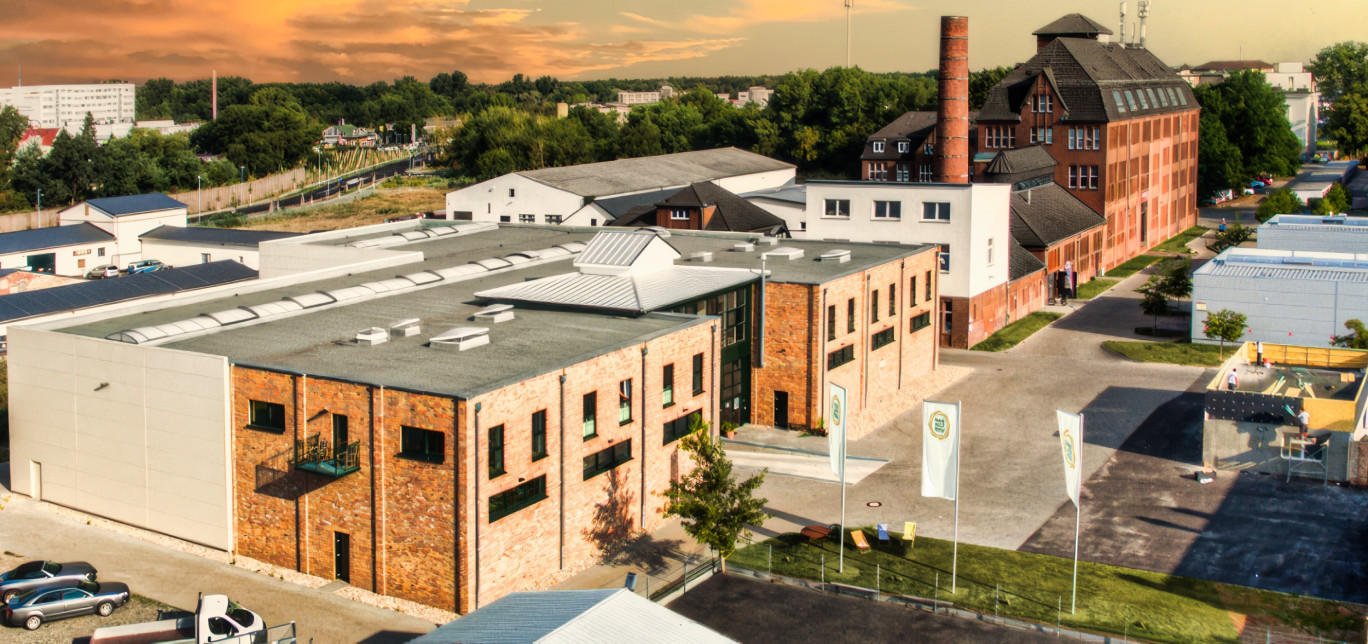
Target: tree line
1341	72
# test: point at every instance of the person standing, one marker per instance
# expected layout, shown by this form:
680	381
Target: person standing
1258	350
1232	381
1304	422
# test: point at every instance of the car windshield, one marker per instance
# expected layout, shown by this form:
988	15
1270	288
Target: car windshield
24	570
52	568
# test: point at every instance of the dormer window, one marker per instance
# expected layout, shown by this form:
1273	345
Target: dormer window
903	147
1043	104
679	214
878	146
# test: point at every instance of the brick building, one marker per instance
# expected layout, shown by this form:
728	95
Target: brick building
1121	125
485	422
704	206
905	150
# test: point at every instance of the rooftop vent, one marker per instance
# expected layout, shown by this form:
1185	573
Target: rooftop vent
743	247
372	336
493	263
838	255
661	231
461	338
405	328
422	277
701	256
785	252
310	300
495	314
769	241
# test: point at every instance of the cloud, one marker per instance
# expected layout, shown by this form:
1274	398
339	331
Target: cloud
748	13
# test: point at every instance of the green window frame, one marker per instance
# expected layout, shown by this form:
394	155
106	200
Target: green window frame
912	292
538	435
850	315
679	427
921	322
831	322
698	373
625	402
881	339
516	498
590	415
667	386
266	415
496	451
422	444
607	459
874	305
840	356
928	287
892	299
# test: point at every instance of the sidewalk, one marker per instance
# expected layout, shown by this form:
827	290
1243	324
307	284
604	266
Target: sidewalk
657	559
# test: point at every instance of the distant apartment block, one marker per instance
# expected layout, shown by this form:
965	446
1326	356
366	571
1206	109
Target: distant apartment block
65	106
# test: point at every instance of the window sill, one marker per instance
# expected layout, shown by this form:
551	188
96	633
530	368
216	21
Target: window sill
421	458
590	437
937	220
538	457
885	218
608	469
698	392
266	428
493	476
667	405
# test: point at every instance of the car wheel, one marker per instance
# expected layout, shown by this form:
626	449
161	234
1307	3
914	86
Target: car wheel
33	622
105	608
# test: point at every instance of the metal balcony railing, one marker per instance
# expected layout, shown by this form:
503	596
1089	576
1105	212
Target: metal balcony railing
316	454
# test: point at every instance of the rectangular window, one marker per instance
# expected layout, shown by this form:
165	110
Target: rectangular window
874	306
924	174
892	299
510	501
878	171
553	219
421	444
944	257
734	316
878	146
679	427
527	219
625	402
268	416
840	356
928	287
511	193
831	322
1042	135
903	146
850	315
698	373
1043	104
100	251
538	435
935	211
1120	106
496	451
667	386
837	208
607	459
904	172
882	339
1130	100
921	322
990	252
679	214
590	415
503	219
888	210
947	323
912	291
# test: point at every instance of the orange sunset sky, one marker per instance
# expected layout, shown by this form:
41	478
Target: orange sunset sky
360	41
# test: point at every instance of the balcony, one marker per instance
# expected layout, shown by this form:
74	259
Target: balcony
316	454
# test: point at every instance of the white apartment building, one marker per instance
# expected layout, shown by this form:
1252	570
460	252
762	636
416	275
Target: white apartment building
65	106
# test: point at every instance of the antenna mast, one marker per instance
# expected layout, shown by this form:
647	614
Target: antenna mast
1121	34
847	8
1144	13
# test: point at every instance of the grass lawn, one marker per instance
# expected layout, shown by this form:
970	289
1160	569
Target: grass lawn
1089	290
1017	331
1178	243
1132	266
1137	603
1202	355
362	211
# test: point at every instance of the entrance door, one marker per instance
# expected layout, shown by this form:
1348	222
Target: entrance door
1144	225
36	480
342	556
339	436
781	409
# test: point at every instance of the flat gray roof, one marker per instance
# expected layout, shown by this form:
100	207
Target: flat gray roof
317	341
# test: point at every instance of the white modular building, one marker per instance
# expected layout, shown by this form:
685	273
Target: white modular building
1333	234
126	218
65	106
1289	297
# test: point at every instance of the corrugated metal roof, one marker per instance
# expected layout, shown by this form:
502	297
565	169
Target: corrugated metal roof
573	617
634	294
206	235
639	174
53	237
134	204
615	248
1287	272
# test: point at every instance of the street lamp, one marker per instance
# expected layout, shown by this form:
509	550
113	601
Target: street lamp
199	187
40	200
242	184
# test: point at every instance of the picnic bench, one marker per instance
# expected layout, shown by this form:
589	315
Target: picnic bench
816	532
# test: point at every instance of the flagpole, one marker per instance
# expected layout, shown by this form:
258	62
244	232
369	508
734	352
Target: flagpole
959	443
1078	519
841	566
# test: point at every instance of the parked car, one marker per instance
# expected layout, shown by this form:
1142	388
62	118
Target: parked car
43	574
102	272
40	605
1256	184
146	266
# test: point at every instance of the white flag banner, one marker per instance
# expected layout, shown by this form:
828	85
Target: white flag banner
836	429
1071	443
940	447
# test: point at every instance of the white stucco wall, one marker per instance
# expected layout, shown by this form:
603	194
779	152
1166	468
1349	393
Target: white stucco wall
757	181
178	253
126	229
793	214
68	258
978	213
136	434
489	200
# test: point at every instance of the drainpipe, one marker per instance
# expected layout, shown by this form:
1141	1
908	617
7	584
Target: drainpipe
760	310
642	392
716	395
864	343
821	360
902	316
475	474
561	550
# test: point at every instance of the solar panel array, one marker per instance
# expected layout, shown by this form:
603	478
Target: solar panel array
29	304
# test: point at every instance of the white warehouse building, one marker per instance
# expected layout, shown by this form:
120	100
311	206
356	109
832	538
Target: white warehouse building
567	194
1288	297
1335	234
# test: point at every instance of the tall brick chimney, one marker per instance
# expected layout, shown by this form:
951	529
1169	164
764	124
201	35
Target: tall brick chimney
952	116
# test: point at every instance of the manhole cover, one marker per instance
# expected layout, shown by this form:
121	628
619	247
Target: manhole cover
874	504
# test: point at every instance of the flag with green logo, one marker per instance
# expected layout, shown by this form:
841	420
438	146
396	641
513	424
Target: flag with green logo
940	449
1070	443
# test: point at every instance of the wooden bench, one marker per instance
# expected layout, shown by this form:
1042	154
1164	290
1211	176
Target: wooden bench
816	532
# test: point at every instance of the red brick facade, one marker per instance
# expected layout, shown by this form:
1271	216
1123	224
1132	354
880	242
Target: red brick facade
1025	296
797	345
409	520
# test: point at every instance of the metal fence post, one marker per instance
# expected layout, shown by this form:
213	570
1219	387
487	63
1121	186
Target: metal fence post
878	585
823	571
769	560
935	598
996	590
1059	614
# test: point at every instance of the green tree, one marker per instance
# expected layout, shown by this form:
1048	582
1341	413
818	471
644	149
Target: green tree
1234	235
1347	124
1225	325
1220	165
12	128
1153	301
1176	278
1336	200
982	82
1357	338
1341	68
714	506
1254	116
269	134
1279	202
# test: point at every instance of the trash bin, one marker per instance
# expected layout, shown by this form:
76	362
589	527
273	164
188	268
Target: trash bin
631	582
